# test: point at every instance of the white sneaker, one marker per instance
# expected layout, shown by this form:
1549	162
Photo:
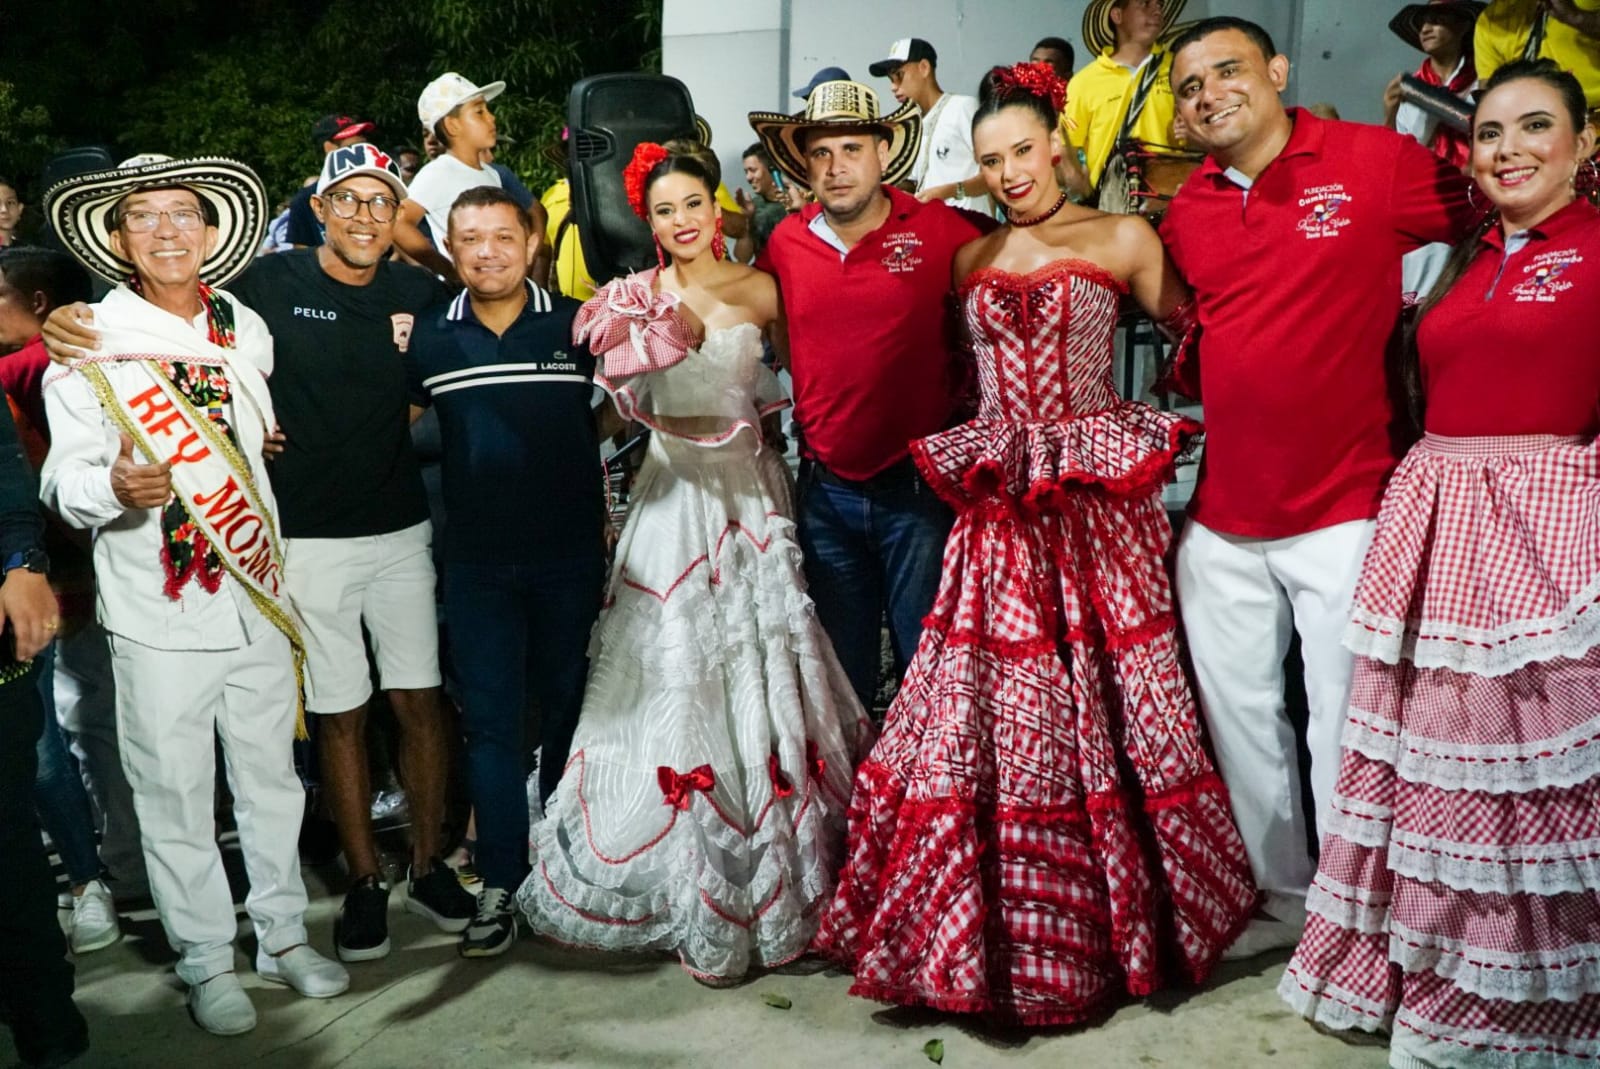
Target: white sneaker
303	969
94	919
221	1007
1277	925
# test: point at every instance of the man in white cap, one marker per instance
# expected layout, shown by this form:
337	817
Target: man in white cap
355	520
946	168
457	112
158	446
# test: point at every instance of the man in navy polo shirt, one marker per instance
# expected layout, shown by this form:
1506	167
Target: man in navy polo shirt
524	551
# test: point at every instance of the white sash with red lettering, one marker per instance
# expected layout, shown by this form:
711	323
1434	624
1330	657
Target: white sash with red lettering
210	477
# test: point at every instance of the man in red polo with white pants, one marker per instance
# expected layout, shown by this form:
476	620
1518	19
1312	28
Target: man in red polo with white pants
1291	235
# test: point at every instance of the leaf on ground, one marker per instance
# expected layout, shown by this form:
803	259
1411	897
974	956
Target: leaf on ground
776	1001
934	1049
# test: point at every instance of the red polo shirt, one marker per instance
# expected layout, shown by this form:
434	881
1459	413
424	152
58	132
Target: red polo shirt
1298	288
870	332
1512	348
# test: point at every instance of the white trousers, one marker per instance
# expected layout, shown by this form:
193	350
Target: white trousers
85	698
172	706
1240	598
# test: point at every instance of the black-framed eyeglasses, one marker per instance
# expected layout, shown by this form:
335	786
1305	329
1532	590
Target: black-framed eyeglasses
346	205
142	221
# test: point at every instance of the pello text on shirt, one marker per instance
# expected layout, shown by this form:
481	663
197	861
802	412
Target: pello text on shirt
900	255
1544	281
1329	214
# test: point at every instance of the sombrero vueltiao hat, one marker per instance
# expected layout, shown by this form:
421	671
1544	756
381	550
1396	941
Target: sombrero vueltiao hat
1100	33
702	130
1407	25
844	105
80	210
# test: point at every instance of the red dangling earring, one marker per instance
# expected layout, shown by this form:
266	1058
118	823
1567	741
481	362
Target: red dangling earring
719	248
1055	160
661	254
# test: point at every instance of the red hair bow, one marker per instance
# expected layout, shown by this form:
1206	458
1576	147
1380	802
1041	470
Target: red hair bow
676	786
1035	79
645	158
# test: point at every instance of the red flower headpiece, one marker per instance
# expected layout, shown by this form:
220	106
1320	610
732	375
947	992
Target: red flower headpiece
645	158
1035	79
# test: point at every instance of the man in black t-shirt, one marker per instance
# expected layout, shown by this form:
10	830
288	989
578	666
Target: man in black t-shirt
355	523
525	508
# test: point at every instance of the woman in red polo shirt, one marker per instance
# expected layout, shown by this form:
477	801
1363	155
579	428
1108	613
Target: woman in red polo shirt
702	811
1457	902
1039	828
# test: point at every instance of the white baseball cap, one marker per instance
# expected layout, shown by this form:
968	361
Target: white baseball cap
449	91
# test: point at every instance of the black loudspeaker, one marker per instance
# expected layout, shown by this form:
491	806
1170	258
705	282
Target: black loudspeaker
608	116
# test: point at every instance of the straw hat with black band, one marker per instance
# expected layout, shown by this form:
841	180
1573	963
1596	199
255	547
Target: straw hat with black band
838	106
1407	25
82	211
1100	33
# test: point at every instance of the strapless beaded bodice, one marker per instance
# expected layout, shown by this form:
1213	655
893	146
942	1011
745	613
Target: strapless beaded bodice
1043	340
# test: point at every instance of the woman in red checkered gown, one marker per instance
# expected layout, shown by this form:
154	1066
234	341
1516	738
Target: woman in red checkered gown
1039	829
1457	904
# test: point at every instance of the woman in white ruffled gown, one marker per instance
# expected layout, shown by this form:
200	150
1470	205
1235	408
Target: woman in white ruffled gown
702	810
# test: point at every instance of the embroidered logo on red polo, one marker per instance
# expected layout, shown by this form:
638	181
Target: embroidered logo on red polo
1543	277
1329	211
900	253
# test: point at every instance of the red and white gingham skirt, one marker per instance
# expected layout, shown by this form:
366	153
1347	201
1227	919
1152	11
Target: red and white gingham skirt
1457	902
1001	860
1486	556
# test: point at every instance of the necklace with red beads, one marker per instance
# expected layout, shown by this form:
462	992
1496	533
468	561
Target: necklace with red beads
1060	203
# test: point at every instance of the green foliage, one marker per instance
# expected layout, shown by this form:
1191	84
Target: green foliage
246	79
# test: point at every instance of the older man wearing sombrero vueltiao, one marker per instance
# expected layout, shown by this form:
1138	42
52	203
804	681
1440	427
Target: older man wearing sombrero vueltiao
157	445
1125	92
864	276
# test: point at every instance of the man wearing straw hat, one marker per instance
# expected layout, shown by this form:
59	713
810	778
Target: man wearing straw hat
1125	92
157	444
864	274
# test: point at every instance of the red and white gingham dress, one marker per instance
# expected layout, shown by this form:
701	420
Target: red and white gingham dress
1457	902
1039	828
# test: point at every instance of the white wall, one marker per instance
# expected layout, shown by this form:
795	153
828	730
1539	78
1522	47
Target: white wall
738	56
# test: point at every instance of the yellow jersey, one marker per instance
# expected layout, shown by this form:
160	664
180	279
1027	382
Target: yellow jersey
1502	35
1097	100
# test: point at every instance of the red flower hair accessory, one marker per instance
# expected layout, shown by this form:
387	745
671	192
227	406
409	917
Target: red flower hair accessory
645	158
1035	79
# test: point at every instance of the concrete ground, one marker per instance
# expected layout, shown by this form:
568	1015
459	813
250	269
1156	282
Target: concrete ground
542	1006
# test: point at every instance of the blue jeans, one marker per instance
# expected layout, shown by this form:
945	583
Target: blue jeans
871	548
516	629
58	793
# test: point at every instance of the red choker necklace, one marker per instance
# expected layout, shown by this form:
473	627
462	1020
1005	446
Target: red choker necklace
1060	203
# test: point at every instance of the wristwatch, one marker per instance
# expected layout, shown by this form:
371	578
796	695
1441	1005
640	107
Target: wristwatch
34	560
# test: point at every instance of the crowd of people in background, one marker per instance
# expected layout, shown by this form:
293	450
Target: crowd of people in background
217	539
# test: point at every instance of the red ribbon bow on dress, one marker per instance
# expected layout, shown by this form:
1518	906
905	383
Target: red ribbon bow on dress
816	764
676	786
782	785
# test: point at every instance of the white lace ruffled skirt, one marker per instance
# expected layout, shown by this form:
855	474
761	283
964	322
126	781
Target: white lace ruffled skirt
703	808
1457	901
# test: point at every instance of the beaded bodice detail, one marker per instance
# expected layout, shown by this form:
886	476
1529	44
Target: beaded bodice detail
1043	340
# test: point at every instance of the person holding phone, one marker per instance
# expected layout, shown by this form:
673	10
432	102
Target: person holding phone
772	200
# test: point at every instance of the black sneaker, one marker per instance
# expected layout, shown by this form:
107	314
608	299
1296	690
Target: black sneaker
493	929
439	896
361	932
